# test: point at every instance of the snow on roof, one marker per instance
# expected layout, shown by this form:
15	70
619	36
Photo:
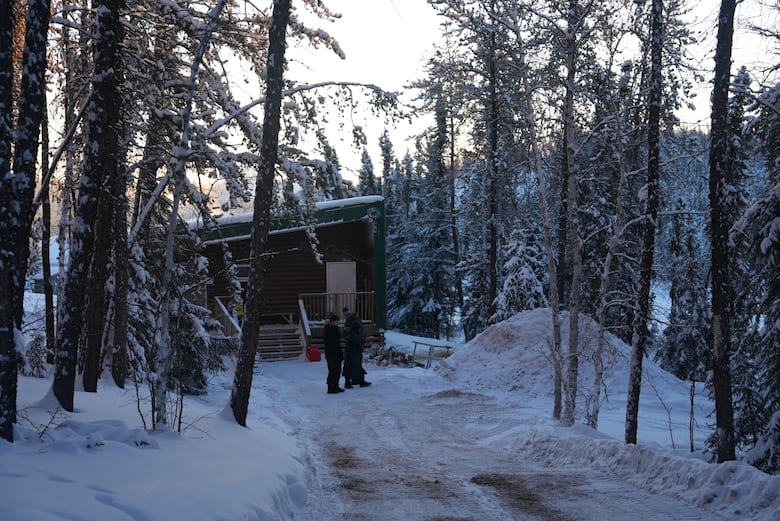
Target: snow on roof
246	217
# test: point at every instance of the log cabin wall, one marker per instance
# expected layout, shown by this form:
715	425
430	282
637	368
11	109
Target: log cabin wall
293	269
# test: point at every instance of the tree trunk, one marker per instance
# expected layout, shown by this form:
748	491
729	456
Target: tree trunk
719	229
48	286
17	187
100	159
572	181
453	212
640	332
598	365
163	356
96	285
563	226
31	102
261	220
538	166
492	155
691	417
8	357
117	340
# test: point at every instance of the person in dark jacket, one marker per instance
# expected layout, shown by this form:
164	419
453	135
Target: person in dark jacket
353	353
333	354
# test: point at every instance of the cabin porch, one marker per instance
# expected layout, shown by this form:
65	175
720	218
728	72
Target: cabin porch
285	336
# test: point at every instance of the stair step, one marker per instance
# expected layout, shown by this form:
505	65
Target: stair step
278	342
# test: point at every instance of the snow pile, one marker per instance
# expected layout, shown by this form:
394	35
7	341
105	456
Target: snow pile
516	354
514	358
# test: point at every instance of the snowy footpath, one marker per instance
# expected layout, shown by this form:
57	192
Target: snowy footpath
416	448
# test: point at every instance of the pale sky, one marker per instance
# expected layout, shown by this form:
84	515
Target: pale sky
748	49
387	42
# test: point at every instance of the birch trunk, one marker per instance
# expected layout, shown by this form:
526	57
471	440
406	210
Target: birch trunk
570	169
513	22
641	318
492	136
163	357
454	211
598	365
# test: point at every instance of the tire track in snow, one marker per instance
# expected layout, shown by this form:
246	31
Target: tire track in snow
392	452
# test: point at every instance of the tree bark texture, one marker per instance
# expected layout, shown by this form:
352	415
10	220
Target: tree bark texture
640	332
96	286
117	342
563	227
48	286
100	159
17	186
261	220
572	182
161	360
617	225
492	155
453	209
719	229
8	365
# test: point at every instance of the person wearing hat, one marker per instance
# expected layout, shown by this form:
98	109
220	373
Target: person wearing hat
353	353
333	354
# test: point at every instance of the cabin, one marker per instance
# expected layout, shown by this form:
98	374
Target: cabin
303	288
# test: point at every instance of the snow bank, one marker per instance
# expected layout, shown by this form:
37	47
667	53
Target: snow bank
734	490
84	466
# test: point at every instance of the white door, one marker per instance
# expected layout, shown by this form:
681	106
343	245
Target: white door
341	286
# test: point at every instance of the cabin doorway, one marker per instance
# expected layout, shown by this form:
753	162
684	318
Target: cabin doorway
341	286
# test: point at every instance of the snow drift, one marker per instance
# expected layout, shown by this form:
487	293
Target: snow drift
515	356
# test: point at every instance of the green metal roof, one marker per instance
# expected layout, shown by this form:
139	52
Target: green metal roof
326	212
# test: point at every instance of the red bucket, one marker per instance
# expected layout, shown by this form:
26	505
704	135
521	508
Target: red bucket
313	354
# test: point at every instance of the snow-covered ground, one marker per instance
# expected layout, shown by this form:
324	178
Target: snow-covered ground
471	438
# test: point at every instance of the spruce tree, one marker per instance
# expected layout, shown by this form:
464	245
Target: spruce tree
684	347
759	229
523	274
367	183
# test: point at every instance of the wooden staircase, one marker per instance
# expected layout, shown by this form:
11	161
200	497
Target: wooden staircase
279	342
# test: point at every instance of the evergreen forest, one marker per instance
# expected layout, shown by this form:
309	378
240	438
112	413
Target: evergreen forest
553	170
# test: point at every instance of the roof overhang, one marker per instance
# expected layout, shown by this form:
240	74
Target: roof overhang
326	213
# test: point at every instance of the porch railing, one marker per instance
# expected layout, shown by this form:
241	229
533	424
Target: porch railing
303	317
229	322
319	306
